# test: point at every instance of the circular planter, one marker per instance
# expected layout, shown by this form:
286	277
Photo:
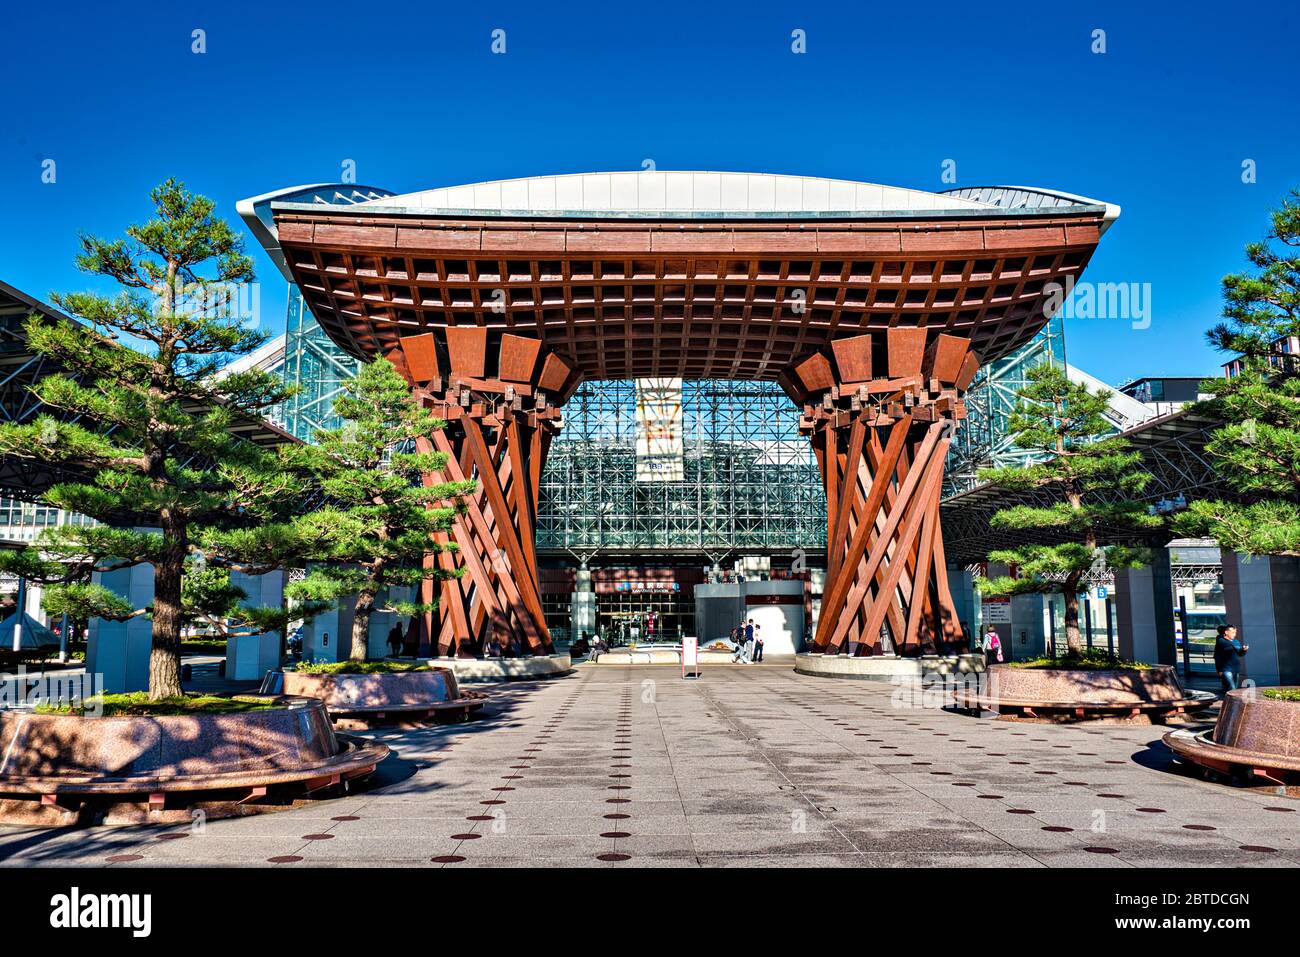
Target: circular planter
526	668
659	655
399	697
68	769
886	667
1256	738
1152	693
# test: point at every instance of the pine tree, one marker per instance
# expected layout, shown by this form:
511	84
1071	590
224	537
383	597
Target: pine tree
151	425
376	529
1257	450
1091	479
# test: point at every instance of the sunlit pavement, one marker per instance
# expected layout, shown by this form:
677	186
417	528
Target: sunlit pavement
748	765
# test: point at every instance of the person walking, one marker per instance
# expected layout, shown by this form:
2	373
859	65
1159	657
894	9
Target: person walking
738	638
1228	652
395	639
992	646
749	641
758	643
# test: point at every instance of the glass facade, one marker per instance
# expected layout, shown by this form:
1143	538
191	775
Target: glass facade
23	521
749	479
317	365
982	441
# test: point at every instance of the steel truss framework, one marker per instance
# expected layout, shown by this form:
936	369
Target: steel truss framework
1180	574
319	367
21	367
749	478
984	440
1173	452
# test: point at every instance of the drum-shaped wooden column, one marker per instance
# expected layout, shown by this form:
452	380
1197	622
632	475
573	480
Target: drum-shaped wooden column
880	442
498	396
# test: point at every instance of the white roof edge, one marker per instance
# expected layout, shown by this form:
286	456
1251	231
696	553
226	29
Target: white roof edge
1126	409
677	190
255	358
1112	209
245	207
255	211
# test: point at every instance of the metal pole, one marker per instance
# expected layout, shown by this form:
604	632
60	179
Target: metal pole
1087	620
1187	639
1051	627
63	639
1110	628
19	612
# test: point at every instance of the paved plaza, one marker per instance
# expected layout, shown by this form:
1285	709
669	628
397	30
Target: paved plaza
756	766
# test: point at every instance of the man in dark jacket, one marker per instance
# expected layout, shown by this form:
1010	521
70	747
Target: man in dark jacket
1228	652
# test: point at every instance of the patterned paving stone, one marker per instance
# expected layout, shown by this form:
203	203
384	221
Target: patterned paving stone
746	766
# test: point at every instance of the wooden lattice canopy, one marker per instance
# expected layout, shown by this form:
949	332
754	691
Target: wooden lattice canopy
873	307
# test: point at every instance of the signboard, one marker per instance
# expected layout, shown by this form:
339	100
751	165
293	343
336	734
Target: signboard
691	656
997	609
659	456
1101	592
647	586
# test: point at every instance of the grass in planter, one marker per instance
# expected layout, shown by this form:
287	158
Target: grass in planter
1091	659
359	667
202	646
1283	694
137	704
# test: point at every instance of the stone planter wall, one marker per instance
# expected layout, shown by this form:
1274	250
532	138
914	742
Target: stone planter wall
1252	722
42	750
376	692
1047	686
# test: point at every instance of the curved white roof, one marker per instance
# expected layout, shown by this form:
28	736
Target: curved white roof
679	192
652	194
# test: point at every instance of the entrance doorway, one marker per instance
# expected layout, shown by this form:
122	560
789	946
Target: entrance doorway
628	617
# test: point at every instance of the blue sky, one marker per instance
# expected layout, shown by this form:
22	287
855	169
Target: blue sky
1160	123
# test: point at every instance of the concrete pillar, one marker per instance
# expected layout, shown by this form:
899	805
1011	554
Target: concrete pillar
381	623
320	636
718	608
582	608
1144	611
35	595
961	584
1024	636
1262	598
1027	635
817	588
328	636
119	650
249	657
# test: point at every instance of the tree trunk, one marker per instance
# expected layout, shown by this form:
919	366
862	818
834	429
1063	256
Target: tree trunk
361	626
1073	638
165	655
